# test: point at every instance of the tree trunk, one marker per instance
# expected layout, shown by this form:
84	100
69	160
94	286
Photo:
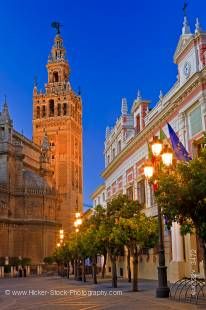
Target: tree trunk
94	269
114	271
68	270
79	273
204	257
135	272
104	265
83	270
75	269
72	263
129	266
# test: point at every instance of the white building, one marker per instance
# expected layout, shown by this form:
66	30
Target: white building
126	146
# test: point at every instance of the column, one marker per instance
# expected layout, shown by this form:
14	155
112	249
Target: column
179	244
174	251
124	183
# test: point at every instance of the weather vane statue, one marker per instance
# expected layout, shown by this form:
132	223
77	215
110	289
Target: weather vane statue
57	26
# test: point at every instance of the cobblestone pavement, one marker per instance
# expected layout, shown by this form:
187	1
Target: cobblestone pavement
59	293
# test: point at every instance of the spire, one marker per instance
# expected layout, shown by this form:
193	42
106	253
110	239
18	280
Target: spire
124	108
186	26
139	97
197	26
5	111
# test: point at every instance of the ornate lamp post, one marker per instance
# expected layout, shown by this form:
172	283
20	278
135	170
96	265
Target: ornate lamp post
165	155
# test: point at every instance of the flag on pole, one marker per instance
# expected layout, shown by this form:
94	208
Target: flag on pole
178	148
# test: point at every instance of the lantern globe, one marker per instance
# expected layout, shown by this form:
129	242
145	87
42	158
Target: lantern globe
156	146
167	156
148	170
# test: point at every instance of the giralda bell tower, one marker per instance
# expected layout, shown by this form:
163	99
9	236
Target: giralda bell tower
57	113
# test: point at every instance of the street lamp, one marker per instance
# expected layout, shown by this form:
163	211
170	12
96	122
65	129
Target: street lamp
165	154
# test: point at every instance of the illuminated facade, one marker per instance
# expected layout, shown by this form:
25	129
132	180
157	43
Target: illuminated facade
126	147
58	113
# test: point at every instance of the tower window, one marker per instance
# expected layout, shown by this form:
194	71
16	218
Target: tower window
59	109
43	111
64	109
55	77
51	107
38	112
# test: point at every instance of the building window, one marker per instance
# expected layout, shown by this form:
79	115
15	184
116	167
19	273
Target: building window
113	153
195	121
38	112
130	192
64	109
55	77
98	200
138	123
43	111
103	196
51	107
108	159
141	191
59	109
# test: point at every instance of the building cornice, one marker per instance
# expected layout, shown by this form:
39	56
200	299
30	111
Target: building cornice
98	191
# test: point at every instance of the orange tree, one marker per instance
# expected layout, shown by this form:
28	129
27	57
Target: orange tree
181	194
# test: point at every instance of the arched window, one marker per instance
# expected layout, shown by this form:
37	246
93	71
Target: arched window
38	112
43	112
51	107
59	109
113	153
64	108
55	77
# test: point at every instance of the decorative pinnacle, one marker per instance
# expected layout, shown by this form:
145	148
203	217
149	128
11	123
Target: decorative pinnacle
197	26
186	26
139	97
35	81
161	95
124	108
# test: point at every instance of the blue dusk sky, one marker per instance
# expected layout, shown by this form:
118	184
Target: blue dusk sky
114	48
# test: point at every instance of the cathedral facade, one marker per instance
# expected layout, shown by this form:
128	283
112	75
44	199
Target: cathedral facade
41	179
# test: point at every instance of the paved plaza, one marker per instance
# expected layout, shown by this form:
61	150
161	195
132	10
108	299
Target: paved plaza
60	293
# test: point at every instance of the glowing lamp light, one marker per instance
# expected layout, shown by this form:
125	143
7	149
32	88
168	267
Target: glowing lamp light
148	170
77	229
58	245
167	156
156	146
75	224
79	221
77	215
61	232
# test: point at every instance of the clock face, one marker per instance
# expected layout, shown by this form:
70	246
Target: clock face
187	69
